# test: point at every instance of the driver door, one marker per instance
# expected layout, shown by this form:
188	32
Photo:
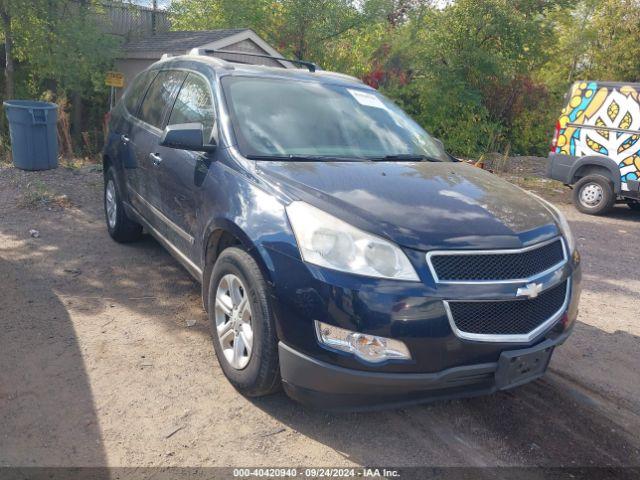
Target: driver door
182	173
152	115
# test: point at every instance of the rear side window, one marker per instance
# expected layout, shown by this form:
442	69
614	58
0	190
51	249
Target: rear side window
135	92
160	96
194	104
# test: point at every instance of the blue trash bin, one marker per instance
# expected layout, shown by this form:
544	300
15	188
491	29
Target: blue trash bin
34	139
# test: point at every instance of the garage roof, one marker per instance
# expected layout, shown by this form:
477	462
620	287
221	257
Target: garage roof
179	41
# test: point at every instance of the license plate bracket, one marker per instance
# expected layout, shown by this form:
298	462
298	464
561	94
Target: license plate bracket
517	367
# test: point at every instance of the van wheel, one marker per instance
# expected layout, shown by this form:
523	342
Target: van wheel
635	206
242	324
594	195
121	228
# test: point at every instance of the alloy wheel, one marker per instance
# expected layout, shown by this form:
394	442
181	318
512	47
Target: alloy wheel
233	321
111	203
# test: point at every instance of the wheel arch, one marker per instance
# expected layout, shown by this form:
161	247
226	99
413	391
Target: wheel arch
219	235
597	165
106	163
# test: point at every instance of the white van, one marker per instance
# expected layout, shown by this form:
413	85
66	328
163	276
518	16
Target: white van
596	145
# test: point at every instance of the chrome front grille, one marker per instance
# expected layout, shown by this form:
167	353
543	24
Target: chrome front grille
508	320
541	292
497	266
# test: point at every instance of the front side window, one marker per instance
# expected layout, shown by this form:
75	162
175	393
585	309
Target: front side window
160	96
136	90
194	104
282	118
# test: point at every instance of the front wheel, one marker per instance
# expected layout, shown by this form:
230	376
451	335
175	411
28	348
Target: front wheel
243	326
594	195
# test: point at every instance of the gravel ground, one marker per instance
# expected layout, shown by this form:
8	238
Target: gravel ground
106	360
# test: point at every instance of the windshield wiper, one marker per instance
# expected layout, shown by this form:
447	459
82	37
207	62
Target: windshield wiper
305	158
401	157
406	157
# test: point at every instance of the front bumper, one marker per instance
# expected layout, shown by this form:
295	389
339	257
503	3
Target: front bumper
413	313
323	385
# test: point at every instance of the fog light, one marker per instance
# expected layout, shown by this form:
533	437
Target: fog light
370	348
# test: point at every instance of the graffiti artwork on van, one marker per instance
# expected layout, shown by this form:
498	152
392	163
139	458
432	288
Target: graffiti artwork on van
611	108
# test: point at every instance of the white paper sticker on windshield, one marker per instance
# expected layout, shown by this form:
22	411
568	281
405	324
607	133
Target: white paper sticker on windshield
366	99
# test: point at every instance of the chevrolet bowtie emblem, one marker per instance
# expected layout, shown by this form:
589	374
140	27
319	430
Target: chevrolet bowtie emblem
531	290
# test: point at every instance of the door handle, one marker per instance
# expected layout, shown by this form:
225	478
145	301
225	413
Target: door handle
155	159
124	139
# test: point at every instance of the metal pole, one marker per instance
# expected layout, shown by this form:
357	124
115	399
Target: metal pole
154	27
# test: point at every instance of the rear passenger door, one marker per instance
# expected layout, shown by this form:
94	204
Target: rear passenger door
182	172
126	150
145	136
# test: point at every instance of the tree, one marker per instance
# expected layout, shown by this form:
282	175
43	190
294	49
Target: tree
8	51
298	27
596	39
57	46
9	9
63	45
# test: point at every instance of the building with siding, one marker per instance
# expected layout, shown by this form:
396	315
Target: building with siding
138	54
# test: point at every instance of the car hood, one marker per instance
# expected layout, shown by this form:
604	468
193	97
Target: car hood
421	205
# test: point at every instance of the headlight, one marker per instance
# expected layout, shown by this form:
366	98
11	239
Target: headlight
326	241
370	348
561	220
566	230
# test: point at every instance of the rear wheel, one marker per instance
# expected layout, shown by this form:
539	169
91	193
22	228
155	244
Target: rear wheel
121	228
243	327
594	195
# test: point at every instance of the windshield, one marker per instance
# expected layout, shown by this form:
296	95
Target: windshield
291	118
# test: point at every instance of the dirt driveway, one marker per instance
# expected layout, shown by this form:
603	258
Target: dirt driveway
101	362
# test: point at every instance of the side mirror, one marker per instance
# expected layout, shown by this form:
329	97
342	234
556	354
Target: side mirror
186	136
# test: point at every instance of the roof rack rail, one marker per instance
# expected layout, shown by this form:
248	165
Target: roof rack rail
203	52
312	67
196	51
166	55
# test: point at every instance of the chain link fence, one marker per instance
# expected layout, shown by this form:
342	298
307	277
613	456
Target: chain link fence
130	20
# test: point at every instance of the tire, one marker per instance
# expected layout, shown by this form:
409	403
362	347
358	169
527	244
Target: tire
635	206
594	195
257	373
121	228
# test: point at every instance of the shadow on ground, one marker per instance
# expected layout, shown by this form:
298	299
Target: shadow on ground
47	412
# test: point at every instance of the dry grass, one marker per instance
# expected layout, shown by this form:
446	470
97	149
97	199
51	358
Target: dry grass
549	189
36	194
5	151
76	163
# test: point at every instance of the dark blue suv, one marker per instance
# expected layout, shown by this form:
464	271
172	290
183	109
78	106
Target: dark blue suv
343	254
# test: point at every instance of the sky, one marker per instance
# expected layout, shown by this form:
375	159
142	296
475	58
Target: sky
148	3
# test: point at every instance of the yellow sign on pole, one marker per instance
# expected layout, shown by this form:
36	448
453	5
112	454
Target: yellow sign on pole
114	79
